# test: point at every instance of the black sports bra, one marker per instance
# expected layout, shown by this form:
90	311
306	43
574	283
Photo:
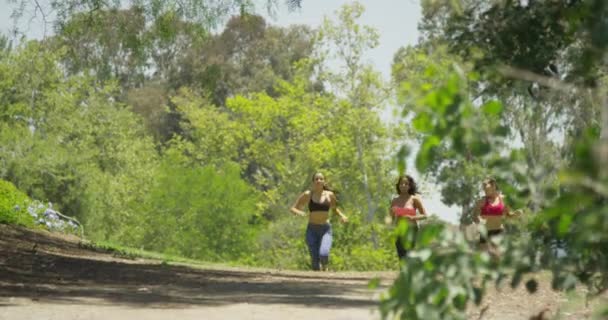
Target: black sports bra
313	206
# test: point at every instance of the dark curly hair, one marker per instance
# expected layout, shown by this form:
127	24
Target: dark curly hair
413	189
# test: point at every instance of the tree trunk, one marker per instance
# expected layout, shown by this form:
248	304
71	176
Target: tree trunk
371	207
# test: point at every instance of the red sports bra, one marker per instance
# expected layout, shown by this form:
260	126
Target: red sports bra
493	210
402	212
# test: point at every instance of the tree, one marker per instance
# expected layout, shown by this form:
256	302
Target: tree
417	71
499	39
574	210
272	139
529	52
364	94
151	61
66	140
248	56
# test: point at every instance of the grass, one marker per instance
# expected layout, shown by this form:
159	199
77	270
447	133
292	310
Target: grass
125	252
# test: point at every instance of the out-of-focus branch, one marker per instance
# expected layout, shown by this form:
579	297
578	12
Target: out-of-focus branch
521	74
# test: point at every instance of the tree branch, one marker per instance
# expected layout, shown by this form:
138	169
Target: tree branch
521	74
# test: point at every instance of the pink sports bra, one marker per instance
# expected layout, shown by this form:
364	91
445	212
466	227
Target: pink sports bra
402	212
489	209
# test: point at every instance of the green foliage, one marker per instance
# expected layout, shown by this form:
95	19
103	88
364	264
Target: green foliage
433	86
582	206
282	245
528	56
526	36
249	56
440	279
361	95
200	12
205	213
108	44
559	181
67	141
13	205
352	249
418	70
68	138
279	141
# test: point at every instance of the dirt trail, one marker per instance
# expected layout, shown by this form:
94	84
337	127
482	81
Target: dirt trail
49	276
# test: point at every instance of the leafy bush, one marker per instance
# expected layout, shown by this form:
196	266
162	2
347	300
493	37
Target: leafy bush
13	205
281	245
204	213
354	247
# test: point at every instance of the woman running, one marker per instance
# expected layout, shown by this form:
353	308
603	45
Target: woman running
491	211
407	206
320	201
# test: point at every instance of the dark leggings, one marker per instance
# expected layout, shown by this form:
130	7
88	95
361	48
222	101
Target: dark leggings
491	233
318	239
401	240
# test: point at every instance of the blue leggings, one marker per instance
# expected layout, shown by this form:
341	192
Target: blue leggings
318	239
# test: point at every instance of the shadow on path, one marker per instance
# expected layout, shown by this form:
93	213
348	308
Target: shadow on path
44	267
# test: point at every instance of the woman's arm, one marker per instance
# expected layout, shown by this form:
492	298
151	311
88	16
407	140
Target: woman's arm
508	212
420	208
334	206
300	202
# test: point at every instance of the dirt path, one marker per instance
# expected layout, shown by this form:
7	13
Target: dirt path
46	276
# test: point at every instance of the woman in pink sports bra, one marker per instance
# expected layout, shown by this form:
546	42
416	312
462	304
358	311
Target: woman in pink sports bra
491	211
405	208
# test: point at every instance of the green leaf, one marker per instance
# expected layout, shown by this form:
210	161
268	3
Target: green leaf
502	131
492	108
480	148
404	151
564	223
423	123
460	301
426	155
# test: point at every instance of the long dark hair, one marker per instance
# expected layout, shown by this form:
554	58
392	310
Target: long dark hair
413	189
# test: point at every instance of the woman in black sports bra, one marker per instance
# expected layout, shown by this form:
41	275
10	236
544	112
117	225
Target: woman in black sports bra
318	233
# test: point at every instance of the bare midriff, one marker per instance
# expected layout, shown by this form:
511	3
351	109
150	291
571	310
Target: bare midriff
492	222
318	217
404	218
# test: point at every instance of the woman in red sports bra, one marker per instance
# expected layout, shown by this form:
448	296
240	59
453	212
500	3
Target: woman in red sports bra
491	211
405	208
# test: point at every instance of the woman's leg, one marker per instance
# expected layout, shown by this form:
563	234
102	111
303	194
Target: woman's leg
401	252
325	247
314	242
485	243
493	249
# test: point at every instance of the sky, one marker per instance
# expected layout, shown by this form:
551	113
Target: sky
395	20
